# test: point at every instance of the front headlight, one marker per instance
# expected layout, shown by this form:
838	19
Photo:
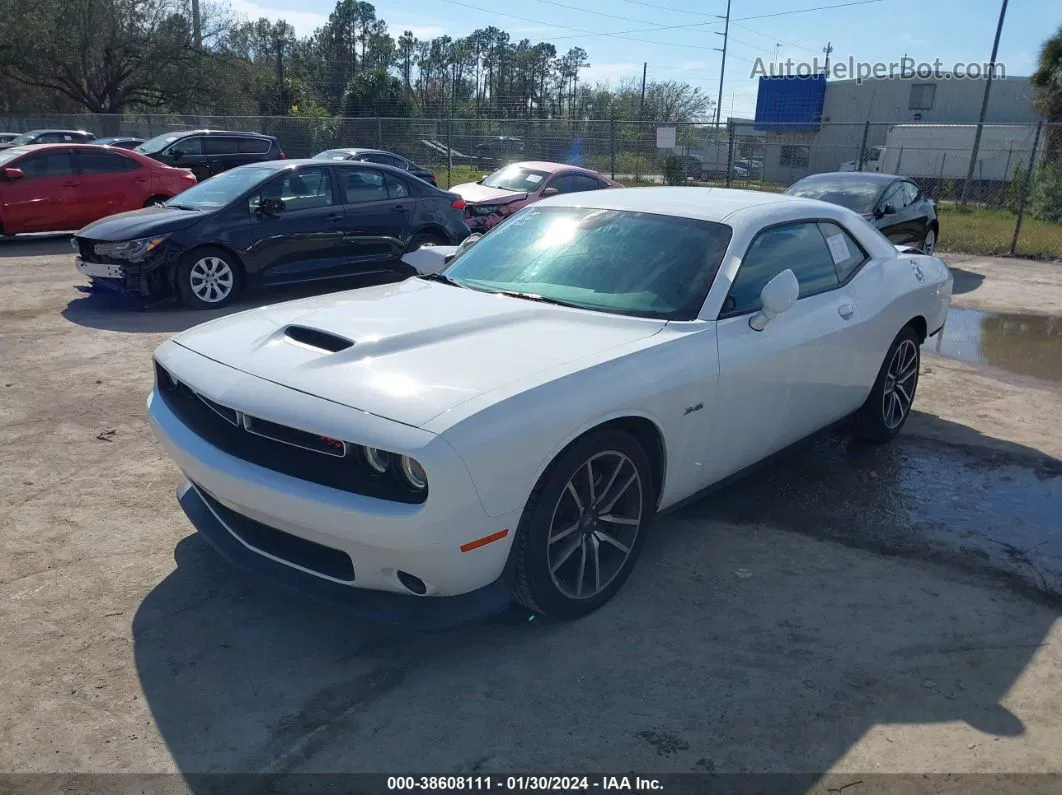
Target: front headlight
413	473
131	250
403	468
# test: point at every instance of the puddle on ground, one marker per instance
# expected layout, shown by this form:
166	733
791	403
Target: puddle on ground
990	510
1021	344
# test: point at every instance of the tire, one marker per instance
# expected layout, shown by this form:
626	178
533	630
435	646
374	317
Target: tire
155	200
886	410
425	239
543	574
195	287
929	242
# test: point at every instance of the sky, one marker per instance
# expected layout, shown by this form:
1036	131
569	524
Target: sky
679	39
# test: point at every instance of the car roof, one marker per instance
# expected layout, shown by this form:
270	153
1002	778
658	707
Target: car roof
185	133
55	130
280	165
705	204
854	176
91	146
545	165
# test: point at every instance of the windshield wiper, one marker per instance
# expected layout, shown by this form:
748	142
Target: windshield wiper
542	299
438	277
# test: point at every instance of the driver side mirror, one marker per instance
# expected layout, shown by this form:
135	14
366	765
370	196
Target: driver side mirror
778	295
176	154
481	178
549	192
271	207
13	173
888	209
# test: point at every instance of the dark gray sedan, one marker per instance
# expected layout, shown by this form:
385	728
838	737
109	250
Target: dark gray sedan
893	204
381	157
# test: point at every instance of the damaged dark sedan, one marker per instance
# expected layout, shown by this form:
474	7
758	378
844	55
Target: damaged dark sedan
269	223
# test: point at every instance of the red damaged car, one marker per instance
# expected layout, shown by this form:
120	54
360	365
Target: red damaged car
59	187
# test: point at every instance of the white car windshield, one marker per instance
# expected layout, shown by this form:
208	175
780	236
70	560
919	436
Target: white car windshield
221	190
516	179
857	196
628	263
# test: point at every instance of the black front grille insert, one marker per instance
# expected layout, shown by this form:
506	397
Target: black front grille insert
283	449
308	554
315	338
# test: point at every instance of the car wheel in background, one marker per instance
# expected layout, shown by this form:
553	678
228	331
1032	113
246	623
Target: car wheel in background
207	278
155	201
930	241
889	404
425	239
583	526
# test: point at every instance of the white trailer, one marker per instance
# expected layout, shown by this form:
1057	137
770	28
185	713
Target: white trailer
942	151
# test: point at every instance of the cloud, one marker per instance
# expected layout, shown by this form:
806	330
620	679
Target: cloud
611	71
304	22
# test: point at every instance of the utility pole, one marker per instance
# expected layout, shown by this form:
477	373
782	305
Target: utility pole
641	108
722	65
197	25
984	105
827	49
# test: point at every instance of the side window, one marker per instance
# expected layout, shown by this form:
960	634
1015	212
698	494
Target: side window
563	184
582	182
309	189
362	185
893	196
219	145
105	163
396	188
52	164
799	247
189	146
48	138
252	146
846	253
911	194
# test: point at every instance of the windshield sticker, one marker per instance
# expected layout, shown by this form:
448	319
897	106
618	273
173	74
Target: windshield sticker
534	179
838	248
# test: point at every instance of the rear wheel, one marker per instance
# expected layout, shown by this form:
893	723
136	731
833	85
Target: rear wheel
930	241
207	278
425	239
889	404
583	526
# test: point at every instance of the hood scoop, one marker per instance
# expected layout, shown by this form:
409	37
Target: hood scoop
315	338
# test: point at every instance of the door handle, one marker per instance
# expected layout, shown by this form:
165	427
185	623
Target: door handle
846	311
334	218
402	208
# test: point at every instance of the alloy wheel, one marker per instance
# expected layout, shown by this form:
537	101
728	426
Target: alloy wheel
930	242
900	384
211	279
594	525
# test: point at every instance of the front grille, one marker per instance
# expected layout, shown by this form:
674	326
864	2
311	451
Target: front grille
87	249
308	554
281	448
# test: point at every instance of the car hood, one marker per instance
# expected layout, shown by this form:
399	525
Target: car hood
414	349
475	193
141	223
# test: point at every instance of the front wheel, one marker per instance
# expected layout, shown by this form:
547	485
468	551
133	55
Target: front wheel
207	279
583	526
930	241
889	405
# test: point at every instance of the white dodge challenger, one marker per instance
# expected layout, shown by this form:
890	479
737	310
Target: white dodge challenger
513	421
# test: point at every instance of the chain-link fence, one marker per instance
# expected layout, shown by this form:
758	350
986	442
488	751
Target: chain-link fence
1009	202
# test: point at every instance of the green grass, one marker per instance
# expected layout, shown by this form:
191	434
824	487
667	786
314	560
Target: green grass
979	230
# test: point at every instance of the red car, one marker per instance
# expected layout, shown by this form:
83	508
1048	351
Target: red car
58	187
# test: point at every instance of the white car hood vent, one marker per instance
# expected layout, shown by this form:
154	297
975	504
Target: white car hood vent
315	338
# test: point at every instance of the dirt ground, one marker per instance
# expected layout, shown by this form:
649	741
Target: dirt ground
848	609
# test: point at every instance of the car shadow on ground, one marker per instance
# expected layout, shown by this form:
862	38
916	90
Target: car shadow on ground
44	245
127	314
734	647
965	281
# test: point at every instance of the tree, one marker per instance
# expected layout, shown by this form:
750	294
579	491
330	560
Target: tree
1047	80
376	93
105	55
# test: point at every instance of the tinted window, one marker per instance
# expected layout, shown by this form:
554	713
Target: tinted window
893	196
581	182
52	164
855	195
910	193
396	188
105	163
221	146
613	261
253	146
564	184
189	146
846	253
799	247
376	157
363	185
308	189
332	154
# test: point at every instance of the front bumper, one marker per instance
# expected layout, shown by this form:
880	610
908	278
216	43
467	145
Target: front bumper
379	537
409	611
146	278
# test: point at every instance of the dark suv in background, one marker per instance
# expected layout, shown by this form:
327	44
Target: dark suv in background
209	152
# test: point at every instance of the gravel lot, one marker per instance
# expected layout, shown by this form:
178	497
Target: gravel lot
847	609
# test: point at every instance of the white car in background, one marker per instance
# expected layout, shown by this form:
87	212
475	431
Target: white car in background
518	418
